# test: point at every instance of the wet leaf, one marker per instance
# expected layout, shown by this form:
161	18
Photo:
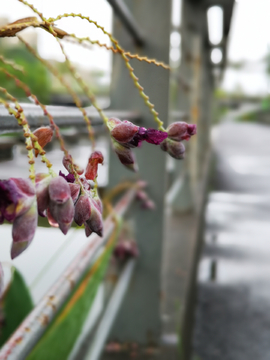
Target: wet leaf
62	334
15	304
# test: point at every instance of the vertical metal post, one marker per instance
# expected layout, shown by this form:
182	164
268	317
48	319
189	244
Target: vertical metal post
188	101
139	318
195	69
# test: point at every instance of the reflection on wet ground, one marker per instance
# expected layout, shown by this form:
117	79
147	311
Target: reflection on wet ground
233	308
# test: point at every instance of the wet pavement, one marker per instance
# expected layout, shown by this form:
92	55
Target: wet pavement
233	298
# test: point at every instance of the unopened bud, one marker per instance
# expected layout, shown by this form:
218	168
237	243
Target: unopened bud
23	230
68	164
59	190
87	229
74	191
82	210
16	197
125	250
124	132
174	148
125	155
42	192
180	130
51	219
63	214
95	222
113	122
44	135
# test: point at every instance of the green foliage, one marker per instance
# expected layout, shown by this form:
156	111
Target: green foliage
62	334
16	304
36	75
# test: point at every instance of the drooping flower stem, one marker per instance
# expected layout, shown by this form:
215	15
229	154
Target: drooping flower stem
33	8
84	87
80	81
12	64
115	51
30	137
74	73
54	71
28	141
28	93
129	67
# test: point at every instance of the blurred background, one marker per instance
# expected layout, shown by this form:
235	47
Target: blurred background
200	289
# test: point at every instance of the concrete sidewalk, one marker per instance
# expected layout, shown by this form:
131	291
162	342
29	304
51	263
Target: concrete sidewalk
233	306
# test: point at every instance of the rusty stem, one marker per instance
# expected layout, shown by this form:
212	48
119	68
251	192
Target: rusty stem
62	81
31	139
27	91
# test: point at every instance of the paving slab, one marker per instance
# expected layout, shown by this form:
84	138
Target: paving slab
232	320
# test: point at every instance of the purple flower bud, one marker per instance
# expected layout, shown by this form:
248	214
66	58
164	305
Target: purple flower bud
51	219
1	279
179	131
85	183
82	209
23	230
141	195
126	249
70	178
95	222
146	203
92	166
42	192
67	162
113	122
74	191
63	214
149	204
87	229
44	135
59	190
125	155
174	148
16	197
124	132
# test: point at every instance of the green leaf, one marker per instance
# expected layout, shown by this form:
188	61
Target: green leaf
16	304
62	334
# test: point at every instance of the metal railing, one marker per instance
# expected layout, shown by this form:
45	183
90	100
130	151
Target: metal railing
36	323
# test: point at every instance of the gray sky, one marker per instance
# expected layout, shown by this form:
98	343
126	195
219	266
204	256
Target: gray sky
98	10
249	40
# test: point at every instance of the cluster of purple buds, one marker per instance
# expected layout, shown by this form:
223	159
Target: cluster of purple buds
126	249
55	201
125	136
59	198
177	132
87	204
